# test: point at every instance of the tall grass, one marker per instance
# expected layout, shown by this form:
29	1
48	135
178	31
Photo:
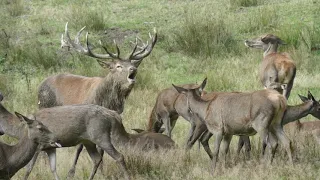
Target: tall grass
196	40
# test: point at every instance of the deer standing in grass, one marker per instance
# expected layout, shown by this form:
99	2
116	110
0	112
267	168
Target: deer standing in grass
110	91
35	136
290	117
91	125
240	114
170	104
275	68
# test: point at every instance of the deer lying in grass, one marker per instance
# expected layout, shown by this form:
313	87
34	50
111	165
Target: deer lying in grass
275	67
88	124
110	91
35	136
240	114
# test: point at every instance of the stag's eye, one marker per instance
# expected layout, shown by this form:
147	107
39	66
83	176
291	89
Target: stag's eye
119	67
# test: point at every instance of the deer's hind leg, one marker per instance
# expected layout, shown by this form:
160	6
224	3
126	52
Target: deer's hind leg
104	142
52	154
73	168
95	157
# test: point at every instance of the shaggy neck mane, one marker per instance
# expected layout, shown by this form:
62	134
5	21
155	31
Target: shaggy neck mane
111	94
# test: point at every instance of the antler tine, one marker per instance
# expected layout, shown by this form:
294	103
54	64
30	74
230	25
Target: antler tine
146	49
77	45
134	48
115	56
76	39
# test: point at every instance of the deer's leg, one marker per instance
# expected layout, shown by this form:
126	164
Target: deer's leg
244	140
101	152
204	140
52	159
73	168
166	120
30	165
284	141
104	142
217	143
198	131
273	141
95	157
225	147
192	128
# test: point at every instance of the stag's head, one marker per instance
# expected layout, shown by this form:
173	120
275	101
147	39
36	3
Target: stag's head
263	42
123	69
315	109
39	133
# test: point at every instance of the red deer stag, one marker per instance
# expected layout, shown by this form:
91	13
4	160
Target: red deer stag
88	124
275	67
110	91
240	114
35	136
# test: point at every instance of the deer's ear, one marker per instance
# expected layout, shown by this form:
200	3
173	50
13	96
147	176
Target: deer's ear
304	99
105	64
23	118
310	96
180	89
203	85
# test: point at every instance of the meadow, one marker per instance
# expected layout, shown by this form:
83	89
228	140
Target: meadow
197	39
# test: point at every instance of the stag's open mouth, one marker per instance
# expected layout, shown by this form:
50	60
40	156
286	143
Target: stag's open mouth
132	77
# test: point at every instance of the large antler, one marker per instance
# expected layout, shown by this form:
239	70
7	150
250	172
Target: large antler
145	50
67	42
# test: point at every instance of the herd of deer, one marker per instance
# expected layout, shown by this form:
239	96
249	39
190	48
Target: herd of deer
85	111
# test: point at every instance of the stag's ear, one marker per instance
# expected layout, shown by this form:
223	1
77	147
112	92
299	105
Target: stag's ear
23	118
105	64
310	96
180	89
304	99
203	85
136	63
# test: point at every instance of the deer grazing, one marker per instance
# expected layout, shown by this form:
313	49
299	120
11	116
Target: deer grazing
275	67
88	124
167	109
110	91
240	114
35	136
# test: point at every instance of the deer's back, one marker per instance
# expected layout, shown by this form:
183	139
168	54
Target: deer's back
150	140
235	112
279	65
66	89
73	123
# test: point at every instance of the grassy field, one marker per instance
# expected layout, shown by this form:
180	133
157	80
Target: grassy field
197	39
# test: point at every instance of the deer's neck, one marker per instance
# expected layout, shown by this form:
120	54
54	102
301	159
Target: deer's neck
199	107
272	48
10	124
20	154
294	113
111	94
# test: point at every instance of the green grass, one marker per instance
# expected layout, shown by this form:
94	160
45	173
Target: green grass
197	39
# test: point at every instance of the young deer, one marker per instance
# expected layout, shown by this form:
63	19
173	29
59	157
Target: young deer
275	67
240	114
35	136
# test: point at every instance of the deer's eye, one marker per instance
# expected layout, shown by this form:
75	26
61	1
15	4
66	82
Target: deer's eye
119	67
